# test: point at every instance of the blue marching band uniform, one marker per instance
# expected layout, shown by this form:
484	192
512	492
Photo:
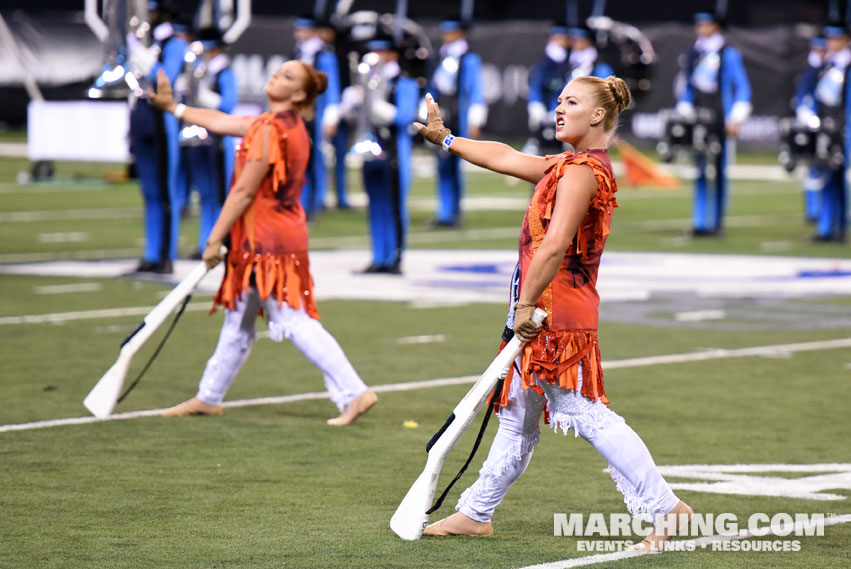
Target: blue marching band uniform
314	52
391	109
340	138
715	80
155	146
210	157
826	96
456	85
561	63
805	111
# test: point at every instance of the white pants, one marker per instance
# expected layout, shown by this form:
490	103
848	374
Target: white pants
308	335
632	468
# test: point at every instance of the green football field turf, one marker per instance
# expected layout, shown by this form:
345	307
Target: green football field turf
273	486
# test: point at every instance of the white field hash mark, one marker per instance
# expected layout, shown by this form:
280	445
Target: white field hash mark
757	351
699	543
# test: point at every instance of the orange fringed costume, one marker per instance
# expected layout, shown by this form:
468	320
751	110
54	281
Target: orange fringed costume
269	242
569	336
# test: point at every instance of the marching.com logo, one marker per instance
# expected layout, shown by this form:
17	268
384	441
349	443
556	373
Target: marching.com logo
723	528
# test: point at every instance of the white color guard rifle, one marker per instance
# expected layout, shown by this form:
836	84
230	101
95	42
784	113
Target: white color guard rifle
103	397
411	517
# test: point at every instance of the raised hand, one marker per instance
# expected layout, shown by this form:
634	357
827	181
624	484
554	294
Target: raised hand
434	130
163	98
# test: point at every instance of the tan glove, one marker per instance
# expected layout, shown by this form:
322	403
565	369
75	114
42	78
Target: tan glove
434	131
212	254
163	98
524	327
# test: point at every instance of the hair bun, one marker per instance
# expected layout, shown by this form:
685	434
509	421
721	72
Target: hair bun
321	82
620	92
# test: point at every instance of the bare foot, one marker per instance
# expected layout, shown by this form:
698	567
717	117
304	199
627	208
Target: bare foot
192	407
459	524
357	407
654	540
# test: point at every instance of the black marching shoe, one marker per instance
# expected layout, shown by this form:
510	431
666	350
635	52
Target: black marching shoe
146	267
373	269
441	224
717	232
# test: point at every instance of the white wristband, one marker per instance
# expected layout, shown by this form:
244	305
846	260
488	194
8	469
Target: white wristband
179	110
447	141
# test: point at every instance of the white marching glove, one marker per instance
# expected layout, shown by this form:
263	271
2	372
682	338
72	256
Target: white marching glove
740	112
207	98
685	110
477	115
331	117
350	99
537	114
804	114
382	113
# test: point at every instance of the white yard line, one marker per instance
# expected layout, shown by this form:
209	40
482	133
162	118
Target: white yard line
57	317
699	543
68	288
238	403
411	385
72	214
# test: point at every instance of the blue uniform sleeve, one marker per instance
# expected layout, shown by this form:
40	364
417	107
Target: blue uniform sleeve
735	67
687	96
536	83
806	87
473	78
171	61
847	137
407	99
326	62
228	90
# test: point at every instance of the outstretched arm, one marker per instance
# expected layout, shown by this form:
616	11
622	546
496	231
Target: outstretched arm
211	119
494	156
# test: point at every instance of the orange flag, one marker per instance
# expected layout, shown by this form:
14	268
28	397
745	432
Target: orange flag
641	171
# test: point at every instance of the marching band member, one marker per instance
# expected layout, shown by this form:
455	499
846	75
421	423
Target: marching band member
154	142
569	53
561	243
715	80
805	109
211	160
338	132
387	177
268	268
584	59
545	84
311	50
830	94
457	83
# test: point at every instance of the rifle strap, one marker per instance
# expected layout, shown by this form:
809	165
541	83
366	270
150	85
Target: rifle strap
494	396
157	351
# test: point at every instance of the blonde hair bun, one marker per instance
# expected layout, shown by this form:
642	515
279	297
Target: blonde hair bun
620	92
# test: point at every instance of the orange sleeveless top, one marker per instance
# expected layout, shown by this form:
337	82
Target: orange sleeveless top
569	336
269	241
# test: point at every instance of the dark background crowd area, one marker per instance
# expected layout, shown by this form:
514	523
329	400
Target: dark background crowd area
741	12
772	35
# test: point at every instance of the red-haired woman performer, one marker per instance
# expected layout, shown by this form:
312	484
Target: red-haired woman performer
561	242
267	265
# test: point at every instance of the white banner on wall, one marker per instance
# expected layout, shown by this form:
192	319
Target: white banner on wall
87	131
